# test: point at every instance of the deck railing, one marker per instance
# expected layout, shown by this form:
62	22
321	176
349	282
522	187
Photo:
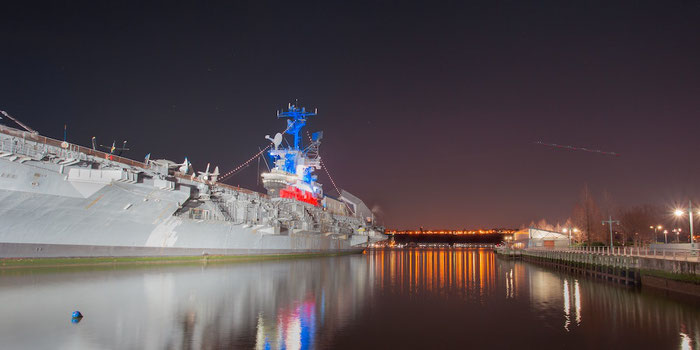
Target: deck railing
22	148
43	140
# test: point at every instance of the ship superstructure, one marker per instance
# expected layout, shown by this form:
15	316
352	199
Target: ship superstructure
292	174
61	199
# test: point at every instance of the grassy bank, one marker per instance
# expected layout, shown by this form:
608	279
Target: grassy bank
9	263
680	277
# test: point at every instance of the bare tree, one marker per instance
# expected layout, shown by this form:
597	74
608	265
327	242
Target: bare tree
635	223
577	234
586	215
607	204
542	225
558	227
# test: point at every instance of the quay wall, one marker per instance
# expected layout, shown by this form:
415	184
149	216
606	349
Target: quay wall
679	247
619	269
670	266
681	274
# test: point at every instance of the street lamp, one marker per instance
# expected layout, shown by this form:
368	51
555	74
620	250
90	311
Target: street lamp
656	228
678	234
666	236
610	222
679	213
570	230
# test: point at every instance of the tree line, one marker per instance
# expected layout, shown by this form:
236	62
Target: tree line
638	225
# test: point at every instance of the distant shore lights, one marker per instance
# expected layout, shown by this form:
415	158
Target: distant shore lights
450	232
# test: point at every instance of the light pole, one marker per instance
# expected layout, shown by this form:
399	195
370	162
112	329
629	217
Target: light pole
610	221
690	216
656	228
570	230
680	213
678	234
666	236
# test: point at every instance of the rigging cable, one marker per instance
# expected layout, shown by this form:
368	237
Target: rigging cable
325	168
329	176
236	169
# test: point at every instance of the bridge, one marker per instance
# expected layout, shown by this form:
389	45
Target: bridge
452	232
481	236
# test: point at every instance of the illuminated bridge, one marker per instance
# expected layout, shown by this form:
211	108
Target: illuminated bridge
450	236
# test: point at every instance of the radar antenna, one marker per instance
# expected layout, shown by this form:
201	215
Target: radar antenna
297	120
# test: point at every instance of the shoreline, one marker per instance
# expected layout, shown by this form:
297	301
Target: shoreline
619	269
23	263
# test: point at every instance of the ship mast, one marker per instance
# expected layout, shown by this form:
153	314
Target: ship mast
297	120
292	170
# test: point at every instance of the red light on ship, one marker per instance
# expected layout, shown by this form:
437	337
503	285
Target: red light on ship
300	195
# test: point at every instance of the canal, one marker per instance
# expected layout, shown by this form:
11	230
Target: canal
386	299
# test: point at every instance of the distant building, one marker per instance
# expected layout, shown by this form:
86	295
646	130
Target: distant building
533	237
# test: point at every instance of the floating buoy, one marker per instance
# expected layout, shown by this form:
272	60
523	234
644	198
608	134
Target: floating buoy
76	317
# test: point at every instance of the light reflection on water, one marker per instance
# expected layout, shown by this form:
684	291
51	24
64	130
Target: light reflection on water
568	295
468	272
383	299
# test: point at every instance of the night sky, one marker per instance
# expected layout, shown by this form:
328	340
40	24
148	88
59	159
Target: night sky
429	111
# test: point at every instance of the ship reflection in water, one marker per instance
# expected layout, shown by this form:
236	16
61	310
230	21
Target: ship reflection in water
410	298
263	305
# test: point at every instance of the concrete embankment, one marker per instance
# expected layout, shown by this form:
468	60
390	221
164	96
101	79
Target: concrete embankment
678	273
10	263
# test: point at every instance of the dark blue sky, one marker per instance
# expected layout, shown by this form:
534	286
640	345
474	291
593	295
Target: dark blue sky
429	110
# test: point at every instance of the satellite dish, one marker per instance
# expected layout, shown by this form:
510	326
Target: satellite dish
276	141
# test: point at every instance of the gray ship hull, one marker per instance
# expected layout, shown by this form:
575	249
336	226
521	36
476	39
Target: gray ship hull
50	209
41	225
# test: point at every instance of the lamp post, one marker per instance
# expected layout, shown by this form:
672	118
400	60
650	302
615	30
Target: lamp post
690	217
680	213
678	234
666	236
570	230
655	229
610	221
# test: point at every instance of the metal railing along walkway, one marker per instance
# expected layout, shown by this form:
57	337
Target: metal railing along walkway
643	252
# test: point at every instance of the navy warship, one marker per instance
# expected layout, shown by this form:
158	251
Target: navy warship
59	199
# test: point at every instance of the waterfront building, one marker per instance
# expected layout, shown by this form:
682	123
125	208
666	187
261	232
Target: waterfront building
533	237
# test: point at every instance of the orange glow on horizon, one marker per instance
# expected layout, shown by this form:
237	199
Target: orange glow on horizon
450	232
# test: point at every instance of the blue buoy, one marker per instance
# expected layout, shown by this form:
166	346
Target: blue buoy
77	314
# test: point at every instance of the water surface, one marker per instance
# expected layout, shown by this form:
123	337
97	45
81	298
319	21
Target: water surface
383	299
